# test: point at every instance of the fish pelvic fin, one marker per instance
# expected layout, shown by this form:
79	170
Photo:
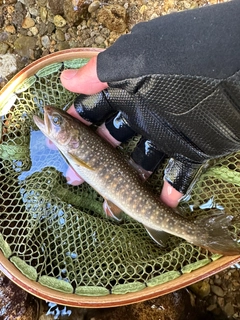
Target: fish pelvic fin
79	161
159	236
215	234
112	211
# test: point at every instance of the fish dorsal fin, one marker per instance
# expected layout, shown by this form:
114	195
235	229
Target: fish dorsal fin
112	211
159	236
79	161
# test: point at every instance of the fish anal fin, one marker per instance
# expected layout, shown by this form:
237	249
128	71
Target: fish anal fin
159	236
79	161
112	211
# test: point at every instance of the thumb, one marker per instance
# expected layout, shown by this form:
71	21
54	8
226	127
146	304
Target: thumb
84	80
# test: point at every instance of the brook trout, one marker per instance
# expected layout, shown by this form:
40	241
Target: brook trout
109	173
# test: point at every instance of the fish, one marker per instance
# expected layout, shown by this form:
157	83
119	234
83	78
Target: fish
107	171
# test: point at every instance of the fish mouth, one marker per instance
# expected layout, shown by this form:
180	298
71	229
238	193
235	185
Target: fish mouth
43	124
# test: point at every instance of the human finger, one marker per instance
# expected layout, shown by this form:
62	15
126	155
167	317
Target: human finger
84	80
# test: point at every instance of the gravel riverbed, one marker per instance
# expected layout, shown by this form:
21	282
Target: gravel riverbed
30	29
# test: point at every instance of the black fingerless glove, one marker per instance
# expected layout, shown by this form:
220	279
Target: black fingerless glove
175	80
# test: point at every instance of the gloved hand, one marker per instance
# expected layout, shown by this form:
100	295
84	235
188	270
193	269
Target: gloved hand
175	81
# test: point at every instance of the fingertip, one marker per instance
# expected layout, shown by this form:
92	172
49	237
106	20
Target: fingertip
73	178
170	196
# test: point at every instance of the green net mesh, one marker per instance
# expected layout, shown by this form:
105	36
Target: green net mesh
57	234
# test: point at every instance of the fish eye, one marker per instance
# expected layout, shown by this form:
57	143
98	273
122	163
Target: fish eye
57	120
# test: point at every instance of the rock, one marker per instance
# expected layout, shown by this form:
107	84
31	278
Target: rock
201	288
59	21
51	28
42	29
99	40
217	290
3	47
63	45
93	6
3	36
24	44
28	23
10	29
56	7
34	30
212	307
153	16
34	11
43	14
19	15
113	17
168	4
229	309
60	35
46	42
8	65
14	302
75	11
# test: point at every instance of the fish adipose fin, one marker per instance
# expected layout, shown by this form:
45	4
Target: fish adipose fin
160	237
79	161
215	234
112	211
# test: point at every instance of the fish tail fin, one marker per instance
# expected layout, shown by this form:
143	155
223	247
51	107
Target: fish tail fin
216	235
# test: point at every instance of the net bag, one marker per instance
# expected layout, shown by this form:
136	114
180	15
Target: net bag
55	240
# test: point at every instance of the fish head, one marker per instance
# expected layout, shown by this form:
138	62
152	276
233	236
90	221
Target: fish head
58	126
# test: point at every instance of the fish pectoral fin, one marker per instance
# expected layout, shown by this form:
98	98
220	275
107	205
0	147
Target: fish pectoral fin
112	211
159	236
79	161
